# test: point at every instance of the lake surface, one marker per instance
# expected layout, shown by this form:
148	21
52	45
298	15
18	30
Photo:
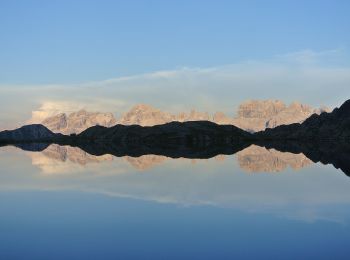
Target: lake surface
63	203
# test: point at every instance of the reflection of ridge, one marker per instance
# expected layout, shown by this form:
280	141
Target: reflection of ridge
260	159
49	158
73	154
145	162
337	154
251	159
57	159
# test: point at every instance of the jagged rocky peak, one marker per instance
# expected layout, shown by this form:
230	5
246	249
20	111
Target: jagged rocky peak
196	115
297	106
257	115
57	122
145	115
260	108
252	116
221	119
77	122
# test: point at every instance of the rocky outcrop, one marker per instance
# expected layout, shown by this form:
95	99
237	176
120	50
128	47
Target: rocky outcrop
78	121
258	115
192	116
221	119
145	115
260	109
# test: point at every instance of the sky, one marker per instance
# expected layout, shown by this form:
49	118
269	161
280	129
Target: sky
208	55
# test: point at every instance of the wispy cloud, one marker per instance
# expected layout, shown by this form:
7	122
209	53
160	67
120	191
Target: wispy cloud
308	56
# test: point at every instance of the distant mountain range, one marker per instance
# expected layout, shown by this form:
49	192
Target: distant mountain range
252	116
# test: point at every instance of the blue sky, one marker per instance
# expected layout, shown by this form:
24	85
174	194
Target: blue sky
74	41
175	55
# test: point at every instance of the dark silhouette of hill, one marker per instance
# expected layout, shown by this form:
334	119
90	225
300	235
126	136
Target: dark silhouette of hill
28	133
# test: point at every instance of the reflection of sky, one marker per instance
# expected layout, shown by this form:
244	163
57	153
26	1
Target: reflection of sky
309	193
207	209
74	225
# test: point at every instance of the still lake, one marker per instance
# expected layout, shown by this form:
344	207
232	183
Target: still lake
62	203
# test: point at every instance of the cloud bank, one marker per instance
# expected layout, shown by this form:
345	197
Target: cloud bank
314	78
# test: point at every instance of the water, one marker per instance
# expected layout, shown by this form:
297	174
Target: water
63	203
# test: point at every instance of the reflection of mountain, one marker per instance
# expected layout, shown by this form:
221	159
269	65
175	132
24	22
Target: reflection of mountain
73	154
145	162
252	115
275	157
54	154
260	159
207	183
251	159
